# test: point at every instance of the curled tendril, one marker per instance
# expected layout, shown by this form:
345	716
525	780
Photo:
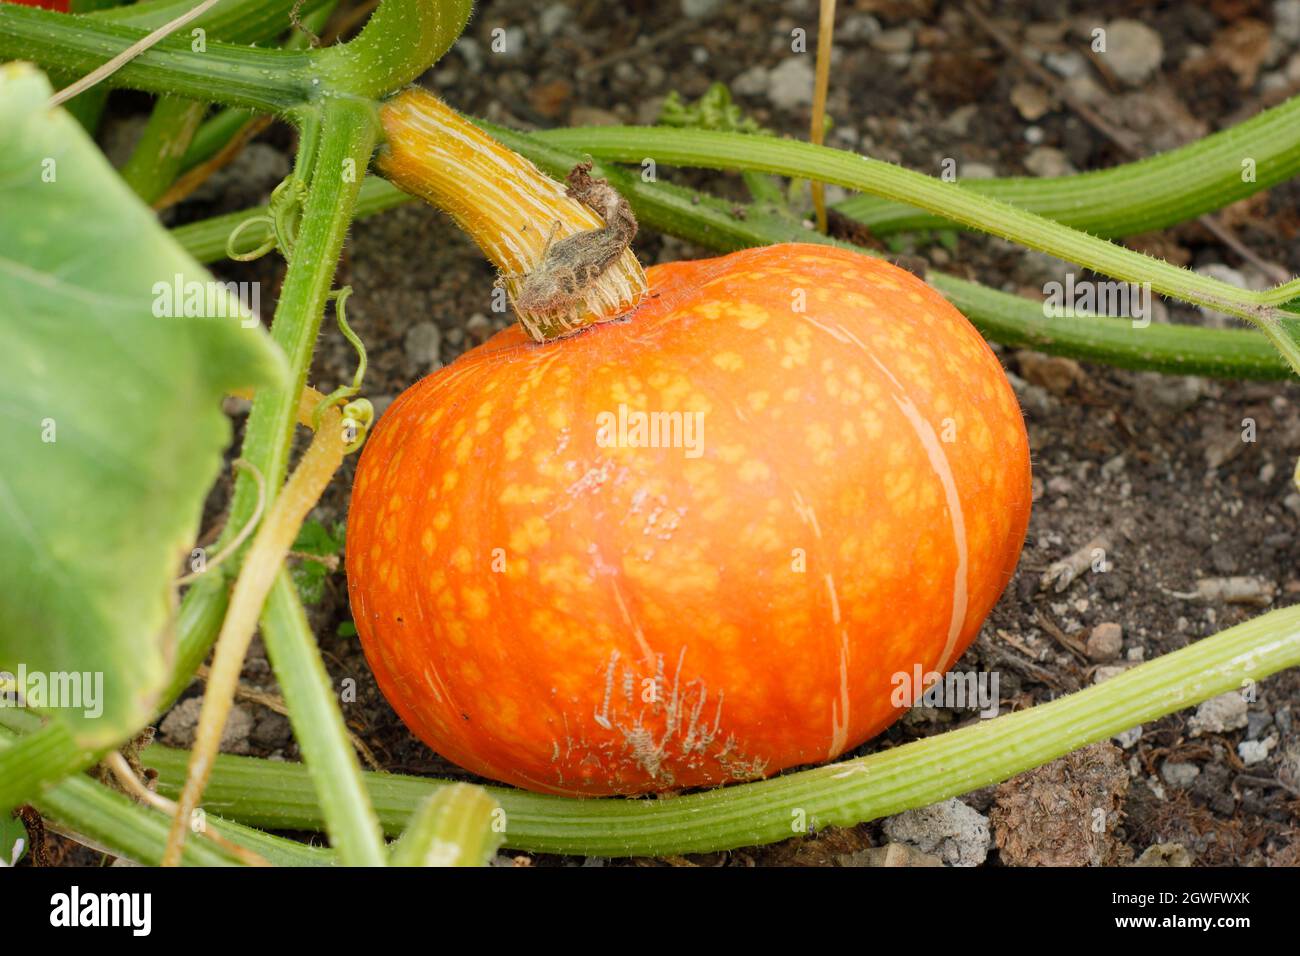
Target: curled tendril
281	222
256	253
286	212
357	415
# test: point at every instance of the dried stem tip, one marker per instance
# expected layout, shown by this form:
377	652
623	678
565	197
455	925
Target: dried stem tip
563	265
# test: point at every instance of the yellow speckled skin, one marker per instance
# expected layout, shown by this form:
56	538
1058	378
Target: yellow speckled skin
575	618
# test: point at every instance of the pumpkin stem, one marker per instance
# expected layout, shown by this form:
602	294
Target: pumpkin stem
524	221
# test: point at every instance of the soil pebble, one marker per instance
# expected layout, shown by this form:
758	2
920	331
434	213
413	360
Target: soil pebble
1219	715
950	830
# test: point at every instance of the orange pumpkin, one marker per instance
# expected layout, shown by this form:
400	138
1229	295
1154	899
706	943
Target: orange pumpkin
839	495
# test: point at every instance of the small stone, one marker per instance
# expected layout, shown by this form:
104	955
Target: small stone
753	82
1252	752
1054	373
1165	854
891	854
1129	737
1133	51
862	26
422	344
976	171
1224	561
959	120
1106	672
471	52
1048	162
1257	722
1219	715
1286	20
1031	101
478	327
272	732
556	15
694	9
1169	394
950	830
897	40
179	726
1067	64
1180	775
1114	586
1060	485
1105	642
790	84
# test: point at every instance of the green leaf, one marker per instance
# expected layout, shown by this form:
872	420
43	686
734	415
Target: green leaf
309	579
315	538
309	576
114	433
713	110
12	831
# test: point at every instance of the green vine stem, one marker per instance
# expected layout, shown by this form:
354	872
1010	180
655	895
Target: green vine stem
787	157
347	130
241	21
454	826
721	225
45	755
1002	317
280	796
269	81
402	39
329	208
104	818
1145	195
156	159
353	830
160	153
319	728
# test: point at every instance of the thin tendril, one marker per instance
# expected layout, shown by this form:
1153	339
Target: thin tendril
357	415
244	532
